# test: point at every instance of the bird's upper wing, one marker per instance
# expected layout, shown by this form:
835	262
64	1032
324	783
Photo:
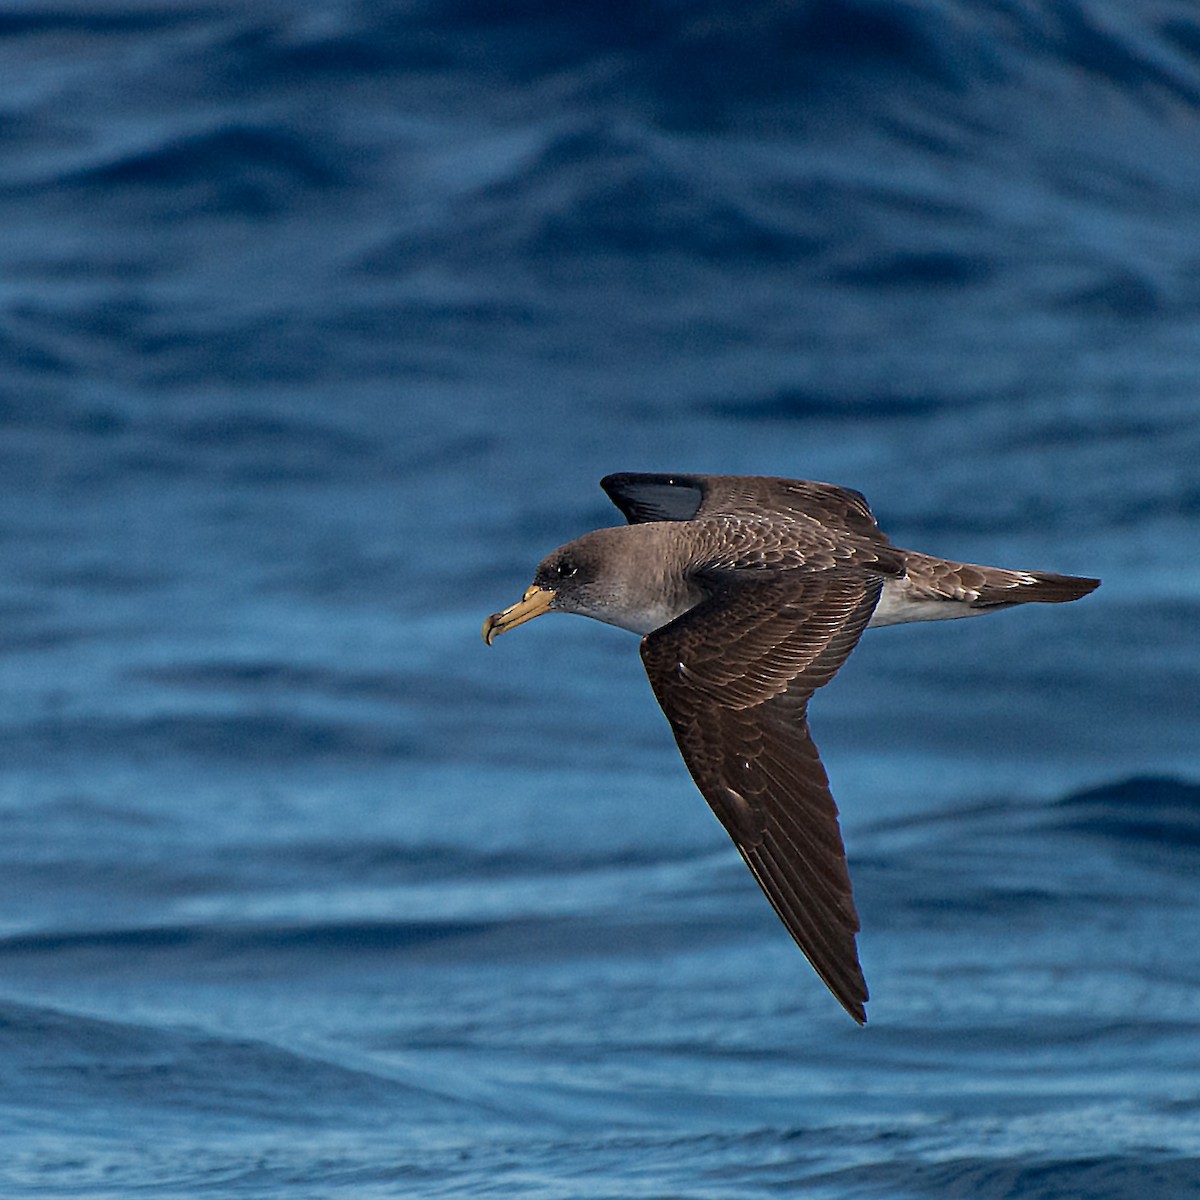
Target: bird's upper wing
733	676
664	497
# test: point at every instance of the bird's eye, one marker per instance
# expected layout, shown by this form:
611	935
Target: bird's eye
565	569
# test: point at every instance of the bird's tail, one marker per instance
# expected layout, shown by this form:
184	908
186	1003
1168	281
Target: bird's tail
988	587
1040	587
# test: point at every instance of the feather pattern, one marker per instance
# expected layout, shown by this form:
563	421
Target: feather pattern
734	676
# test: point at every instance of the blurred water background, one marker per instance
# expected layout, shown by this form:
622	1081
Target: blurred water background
320	322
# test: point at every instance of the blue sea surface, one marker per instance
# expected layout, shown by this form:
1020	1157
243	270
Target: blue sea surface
320	323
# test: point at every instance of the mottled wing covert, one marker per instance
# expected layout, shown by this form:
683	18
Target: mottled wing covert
670	497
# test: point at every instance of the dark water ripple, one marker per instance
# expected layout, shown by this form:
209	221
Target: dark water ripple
65	1058
1160	813
1107	1177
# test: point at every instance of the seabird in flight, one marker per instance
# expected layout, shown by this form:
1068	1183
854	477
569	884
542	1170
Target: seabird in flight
750	592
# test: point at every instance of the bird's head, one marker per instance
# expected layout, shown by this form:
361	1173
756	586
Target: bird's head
595	576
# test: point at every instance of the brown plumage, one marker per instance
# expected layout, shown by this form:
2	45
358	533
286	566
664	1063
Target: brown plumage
751	592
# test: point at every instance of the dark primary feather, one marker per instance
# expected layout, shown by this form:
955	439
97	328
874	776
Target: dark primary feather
734	676
655	497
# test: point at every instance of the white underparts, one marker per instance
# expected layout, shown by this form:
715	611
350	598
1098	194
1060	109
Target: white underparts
898	606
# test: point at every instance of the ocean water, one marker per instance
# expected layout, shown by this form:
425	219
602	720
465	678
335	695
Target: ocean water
320	323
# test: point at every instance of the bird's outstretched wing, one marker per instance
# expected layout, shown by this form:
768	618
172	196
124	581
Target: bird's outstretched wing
734	675
664	497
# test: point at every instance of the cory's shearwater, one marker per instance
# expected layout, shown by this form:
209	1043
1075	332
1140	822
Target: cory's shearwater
750	593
